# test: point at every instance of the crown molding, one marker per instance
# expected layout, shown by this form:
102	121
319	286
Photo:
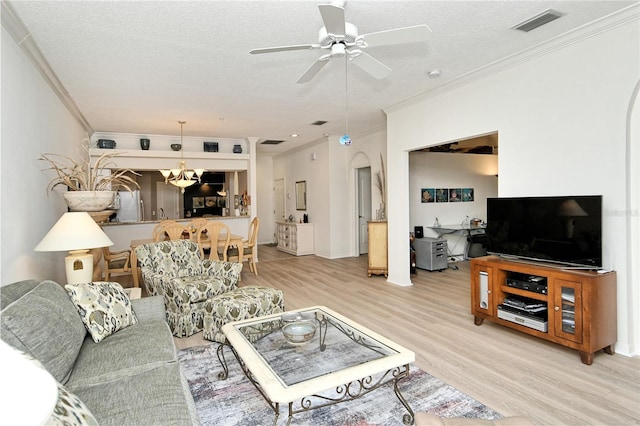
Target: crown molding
22	36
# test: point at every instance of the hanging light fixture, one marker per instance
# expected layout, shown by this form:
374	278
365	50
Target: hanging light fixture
181	177
346	139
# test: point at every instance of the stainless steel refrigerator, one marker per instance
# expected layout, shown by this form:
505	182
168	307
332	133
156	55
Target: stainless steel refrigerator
129	206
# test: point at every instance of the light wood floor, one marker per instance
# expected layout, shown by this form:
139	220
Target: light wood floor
513	373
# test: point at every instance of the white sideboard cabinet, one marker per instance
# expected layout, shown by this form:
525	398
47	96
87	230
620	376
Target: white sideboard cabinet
295	238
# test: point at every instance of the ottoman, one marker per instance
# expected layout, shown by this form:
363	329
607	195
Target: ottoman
239	304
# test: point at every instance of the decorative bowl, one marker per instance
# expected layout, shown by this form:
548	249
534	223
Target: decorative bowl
101	216
88	201
298	332
176	146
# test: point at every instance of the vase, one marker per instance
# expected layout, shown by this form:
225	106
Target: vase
88	201
237	149
144	144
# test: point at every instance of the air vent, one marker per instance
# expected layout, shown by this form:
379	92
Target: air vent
538	20
271	142
318	123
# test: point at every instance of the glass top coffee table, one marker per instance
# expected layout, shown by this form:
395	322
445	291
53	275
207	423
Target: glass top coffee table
342	360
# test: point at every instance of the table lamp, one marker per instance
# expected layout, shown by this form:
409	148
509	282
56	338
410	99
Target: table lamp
77	233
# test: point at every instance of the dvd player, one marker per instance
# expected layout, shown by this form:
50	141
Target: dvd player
530	283
531	321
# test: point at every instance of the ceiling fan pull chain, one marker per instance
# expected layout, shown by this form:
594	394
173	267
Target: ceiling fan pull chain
346	93
346	139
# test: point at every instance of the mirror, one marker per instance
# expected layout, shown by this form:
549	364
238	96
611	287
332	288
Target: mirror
301	195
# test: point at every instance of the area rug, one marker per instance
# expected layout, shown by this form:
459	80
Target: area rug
236	402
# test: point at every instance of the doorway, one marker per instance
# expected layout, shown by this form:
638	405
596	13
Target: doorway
363	208
279	206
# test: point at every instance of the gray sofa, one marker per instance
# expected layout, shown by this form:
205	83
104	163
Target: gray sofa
130	378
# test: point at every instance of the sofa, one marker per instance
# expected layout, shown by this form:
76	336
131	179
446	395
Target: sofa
130	377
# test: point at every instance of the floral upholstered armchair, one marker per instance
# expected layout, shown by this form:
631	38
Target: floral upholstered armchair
175	270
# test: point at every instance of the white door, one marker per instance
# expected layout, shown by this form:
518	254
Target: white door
279	207
364	208
168	201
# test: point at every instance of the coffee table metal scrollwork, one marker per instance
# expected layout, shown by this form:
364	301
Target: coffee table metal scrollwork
342	362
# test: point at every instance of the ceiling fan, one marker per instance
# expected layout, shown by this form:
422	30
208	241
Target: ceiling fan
341	38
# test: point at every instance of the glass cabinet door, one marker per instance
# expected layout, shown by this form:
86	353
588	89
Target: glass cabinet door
568	310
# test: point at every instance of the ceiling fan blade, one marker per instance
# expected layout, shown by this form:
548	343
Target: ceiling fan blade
333	18
313	70
371	65
419	33
285	48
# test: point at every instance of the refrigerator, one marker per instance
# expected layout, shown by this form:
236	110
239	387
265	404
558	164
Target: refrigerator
129	206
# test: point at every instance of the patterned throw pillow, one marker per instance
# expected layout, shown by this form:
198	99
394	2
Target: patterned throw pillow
70	411
103	306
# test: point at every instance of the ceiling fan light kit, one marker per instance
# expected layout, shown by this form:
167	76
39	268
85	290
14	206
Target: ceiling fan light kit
341	39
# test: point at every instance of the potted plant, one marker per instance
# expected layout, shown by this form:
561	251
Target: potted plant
91	186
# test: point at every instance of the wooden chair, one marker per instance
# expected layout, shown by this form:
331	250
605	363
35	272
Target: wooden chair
216	237
195	225
173	231
250	247
158	230
116	262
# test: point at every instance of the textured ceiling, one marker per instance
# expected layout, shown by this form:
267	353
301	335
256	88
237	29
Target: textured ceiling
140	66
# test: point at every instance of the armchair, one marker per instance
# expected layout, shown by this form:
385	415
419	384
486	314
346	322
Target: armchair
175	270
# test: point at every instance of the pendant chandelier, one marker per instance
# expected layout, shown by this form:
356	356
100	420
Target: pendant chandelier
182	177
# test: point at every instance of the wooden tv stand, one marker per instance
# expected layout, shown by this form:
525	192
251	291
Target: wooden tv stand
581	305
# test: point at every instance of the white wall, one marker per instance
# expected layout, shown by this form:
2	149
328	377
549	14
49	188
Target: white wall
444	170
34	121
331	203
562	120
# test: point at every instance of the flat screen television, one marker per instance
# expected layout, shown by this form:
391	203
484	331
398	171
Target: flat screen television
566	230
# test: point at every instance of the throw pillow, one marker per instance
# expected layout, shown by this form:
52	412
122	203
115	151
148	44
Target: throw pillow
70	411
103	306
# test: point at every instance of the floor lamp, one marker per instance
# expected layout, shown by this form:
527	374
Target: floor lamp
77	233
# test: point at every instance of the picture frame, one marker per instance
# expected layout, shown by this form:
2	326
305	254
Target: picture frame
428	195
442	195
455	195
198	202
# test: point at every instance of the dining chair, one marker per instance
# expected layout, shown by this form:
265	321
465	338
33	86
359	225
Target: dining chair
173	231
250	247
158	230
195	225
116	262
216	237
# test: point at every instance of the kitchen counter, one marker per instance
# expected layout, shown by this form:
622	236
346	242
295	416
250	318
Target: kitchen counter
186	220
122	233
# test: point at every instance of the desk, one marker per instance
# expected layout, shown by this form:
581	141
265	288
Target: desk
236	240
468	231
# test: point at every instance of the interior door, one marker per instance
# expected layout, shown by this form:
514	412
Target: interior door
364	208
279	207
168	201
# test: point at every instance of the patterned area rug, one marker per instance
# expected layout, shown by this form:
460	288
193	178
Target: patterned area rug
235	401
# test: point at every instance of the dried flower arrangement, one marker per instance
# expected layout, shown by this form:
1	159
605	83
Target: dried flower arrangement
85	176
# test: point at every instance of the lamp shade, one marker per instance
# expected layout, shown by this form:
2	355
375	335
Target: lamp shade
74	231
28	392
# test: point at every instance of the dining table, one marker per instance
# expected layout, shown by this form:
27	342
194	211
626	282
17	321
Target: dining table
234	240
